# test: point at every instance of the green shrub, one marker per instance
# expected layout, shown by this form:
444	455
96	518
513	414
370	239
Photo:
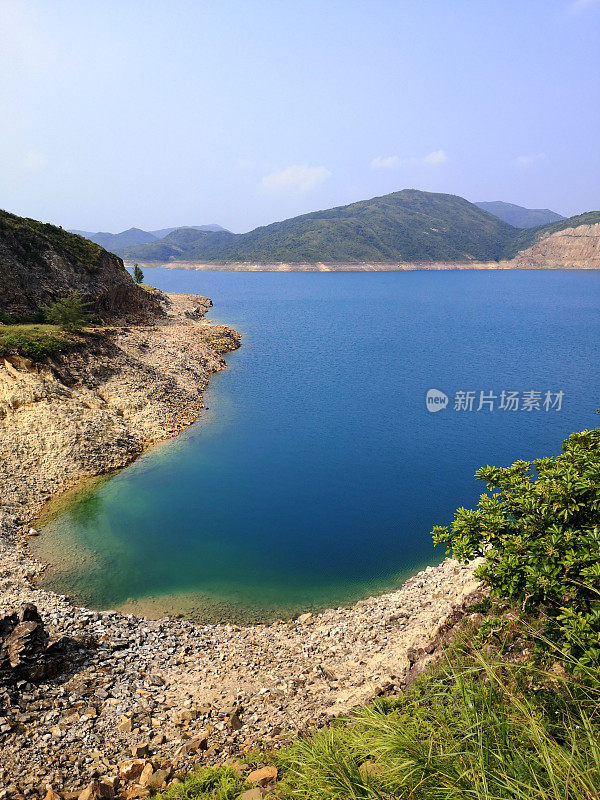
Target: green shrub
35	345
538	531
69	313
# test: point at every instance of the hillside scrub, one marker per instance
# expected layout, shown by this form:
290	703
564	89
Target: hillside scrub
36	342
538	529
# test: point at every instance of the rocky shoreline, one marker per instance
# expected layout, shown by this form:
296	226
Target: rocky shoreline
133	700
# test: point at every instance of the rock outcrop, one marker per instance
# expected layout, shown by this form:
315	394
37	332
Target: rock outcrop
41	263
571	247
92	410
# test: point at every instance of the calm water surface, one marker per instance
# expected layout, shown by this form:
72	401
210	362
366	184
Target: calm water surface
317	473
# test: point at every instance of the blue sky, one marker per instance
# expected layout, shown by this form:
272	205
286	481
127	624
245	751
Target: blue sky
241	112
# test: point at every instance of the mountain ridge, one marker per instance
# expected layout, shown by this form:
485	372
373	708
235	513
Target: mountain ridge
408	225
116	242
519	216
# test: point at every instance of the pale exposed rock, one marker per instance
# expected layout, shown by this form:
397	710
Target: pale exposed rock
570	247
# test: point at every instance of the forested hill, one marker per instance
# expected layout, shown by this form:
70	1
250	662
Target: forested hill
406	226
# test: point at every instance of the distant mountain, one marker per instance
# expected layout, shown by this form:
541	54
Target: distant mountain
166	231
520	217
406	226
117	242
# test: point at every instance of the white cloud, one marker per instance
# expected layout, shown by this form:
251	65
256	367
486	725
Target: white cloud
386	162
581	5
433	159
296	179
528	160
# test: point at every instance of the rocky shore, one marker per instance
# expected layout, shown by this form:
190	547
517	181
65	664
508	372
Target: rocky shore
101	704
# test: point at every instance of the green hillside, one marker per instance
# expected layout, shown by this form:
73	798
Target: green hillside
520	217
406	226
526	238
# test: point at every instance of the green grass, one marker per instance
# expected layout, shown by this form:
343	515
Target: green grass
208	784
495	726
35	341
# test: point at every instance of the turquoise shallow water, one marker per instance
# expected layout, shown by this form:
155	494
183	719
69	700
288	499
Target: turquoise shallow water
317	473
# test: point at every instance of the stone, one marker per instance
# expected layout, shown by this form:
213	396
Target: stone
125	724
51	795
136	792
91	792
263	776
252	794
146	774
234	723
140	750
131	769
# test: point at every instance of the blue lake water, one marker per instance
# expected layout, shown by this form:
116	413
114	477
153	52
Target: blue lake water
317	473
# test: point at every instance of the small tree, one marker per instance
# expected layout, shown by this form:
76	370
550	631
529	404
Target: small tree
138	275
69	313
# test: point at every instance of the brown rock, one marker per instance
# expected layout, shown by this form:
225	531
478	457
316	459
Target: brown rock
131	769
91	792
125	724
263	776
234	722
252	794
107	788
135	792
51	795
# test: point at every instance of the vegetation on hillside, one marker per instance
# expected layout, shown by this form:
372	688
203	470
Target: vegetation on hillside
511	710
34	238
527	238
36	342
408	226
69	313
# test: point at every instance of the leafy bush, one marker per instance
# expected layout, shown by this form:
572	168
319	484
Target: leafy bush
69	313
538	531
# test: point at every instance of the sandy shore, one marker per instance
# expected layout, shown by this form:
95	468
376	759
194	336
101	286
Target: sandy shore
181	693
358	266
